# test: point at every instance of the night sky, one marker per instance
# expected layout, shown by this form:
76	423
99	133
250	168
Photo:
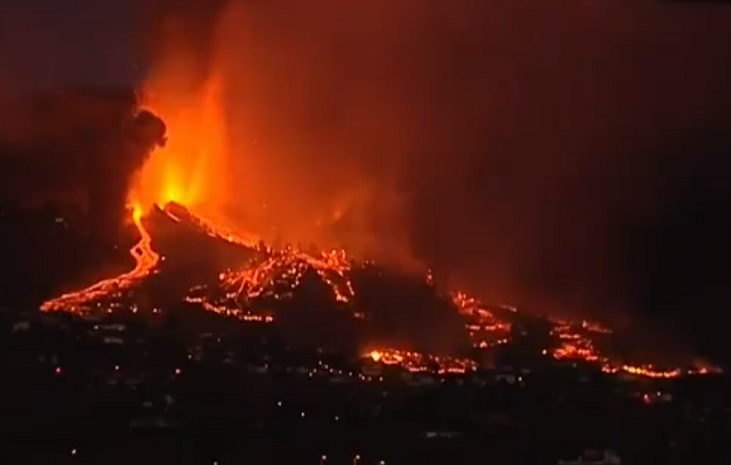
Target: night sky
569	156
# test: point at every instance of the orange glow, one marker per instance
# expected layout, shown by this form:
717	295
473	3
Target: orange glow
191	168
137	213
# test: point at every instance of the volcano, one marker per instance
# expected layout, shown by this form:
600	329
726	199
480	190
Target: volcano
317	297
327	300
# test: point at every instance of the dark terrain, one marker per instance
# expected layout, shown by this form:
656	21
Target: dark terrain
161	391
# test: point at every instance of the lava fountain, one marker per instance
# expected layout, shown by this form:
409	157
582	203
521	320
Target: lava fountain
191	168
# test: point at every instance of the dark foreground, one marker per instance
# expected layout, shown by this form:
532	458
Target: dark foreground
81	392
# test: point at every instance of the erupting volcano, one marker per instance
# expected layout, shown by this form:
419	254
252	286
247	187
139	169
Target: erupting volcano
184	187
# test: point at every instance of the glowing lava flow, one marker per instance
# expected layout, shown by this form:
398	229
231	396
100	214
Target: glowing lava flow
146	260
283	271
175	211
277	276
577	341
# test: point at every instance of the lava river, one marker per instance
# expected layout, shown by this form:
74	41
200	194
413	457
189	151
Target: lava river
145	257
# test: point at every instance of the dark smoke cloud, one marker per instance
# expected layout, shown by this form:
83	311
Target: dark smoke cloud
77	147
68	130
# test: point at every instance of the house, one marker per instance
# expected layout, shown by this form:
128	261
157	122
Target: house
594	457
256	368
372	369
21	326
419	379
441	434
508	378
657	397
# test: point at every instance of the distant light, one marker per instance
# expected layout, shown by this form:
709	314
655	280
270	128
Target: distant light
279	404
302	414
177	371
73	451
337	418
116	367
58	370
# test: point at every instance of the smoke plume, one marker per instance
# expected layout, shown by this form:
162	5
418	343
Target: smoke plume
511	146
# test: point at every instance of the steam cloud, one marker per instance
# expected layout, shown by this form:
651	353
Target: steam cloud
513	146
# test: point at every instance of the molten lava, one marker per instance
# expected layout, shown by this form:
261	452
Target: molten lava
284	269
146	260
